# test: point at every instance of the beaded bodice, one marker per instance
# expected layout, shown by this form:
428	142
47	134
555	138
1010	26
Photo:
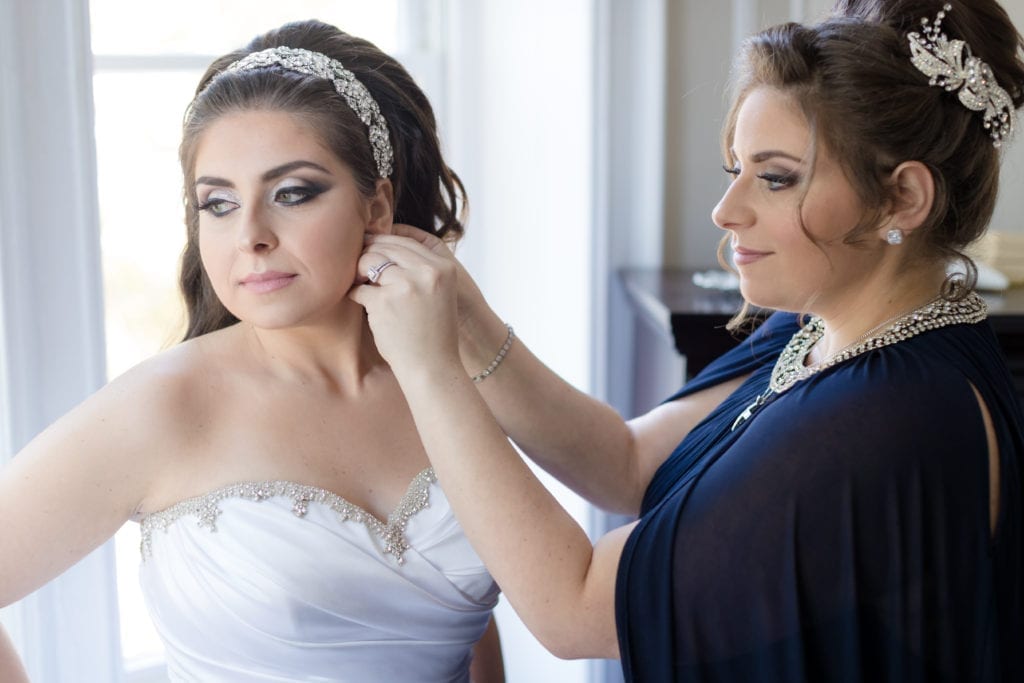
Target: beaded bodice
279	581
206	509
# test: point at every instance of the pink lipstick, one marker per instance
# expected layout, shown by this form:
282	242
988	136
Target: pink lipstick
269	281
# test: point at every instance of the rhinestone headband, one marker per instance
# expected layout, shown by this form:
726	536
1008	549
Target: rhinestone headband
943	61
345	82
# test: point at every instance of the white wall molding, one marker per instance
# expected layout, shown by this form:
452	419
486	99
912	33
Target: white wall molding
629	176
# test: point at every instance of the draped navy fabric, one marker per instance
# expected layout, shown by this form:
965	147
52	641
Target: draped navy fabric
840	534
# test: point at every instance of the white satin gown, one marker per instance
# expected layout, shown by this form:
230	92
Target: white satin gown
276	581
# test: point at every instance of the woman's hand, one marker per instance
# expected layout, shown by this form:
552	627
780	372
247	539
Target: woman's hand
471	303
412	306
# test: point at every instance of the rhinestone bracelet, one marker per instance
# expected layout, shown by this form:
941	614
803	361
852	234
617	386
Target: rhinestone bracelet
500	357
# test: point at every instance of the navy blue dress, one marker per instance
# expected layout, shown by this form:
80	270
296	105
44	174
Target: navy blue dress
840	534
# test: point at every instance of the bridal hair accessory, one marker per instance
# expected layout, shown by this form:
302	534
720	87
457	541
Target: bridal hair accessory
373	274
894	236
502	352
946	65
348	86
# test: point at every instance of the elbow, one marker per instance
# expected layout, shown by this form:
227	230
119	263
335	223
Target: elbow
575	642
563	648
568	651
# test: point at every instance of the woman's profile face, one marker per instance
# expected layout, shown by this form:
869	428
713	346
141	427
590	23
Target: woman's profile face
281	220
779	264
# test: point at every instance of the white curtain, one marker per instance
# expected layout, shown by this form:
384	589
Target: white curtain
51	303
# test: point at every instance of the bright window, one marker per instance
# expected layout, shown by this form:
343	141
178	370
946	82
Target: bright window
148	59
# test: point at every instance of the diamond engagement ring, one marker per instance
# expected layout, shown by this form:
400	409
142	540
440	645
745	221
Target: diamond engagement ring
373	274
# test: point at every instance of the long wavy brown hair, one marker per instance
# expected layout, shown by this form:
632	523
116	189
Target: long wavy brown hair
428	194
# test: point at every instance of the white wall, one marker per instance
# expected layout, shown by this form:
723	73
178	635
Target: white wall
698	68
1009	214
519	132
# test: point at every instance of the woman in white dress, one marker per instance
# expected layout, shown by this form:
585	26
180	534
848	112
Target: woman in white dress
292	526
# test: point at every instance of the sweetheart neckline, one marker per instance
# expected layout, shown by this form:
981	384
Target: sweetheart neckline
205	508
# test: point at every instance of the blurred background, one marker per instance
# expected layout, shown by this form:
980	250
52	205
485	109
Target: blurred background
586	132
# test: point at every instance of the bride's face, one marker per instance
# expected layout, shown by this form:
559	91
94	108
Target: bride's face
281	219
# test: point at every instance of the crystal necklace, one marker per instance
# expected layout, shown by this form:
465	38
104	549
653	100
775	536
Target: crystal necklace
791	366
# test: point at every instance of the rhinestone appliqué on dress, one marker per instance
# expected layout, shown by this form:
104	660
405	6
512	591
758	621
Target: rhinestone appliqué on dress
790	367
205	509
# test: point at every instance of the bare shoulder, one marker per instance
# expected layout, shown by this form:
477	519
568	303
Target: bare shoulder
98	465
159	399
146	421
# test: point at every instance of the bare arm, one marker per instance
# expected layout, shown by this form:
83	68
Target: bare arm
581	441
561	585
74	485
11	670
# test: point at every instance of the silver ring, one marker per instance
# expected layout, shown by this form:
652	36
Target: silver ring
373	274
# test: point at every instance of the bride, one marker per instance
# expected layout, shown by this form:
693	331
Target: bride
292	525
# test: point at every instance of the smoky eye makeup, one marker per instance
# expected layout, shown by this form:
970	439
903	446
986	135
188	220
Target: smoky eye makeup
779	179
217	202
296	191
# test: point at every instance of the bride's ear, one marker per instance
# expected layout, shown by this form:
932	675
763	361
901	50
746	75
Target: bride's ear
381	208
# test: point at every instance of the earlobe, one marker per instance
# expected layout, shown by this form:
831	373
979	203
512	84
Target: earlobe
381	208
913	194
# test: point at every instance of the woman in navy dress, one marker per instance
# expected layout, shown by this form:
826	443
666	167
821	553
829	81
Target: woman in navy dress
839	497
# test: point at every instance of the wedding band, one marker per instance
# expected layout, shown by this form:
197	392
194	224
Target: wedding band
374	273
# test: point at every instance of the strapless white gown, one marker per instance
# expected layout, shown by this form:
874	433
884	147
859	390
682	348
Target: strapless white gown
275	581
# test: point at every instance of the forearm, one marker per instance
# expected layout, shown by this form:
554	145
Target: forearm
581	441
536	552
11	669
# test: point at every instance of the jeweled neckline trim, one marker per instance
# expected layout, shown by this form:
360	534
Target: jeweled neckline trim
205	508
791	368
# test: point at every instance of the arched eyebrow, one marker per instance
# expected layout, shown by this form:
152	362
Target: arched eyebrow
769	154
272	174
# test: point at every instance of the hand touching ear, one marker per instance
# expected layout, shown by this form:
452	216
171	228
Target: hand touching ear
412	306
479	328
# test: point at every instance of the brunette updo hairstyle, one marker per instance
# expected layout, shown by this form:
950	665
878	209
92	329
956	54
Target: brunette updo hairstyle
427	194
852	78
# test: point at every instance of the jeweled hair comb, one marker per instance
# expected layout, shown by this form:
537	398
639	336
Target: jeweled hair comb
950	64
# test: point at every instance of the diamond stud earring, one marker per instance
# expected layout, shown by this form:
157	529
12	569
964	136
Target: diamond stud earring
894	236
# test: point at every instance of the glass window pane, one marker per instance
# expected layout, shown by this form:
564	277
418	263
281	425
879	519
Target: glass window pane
138	126
213	27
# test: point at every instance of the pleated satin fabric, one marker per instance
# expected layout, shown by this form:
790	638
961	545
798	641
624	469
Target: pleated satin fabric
274	596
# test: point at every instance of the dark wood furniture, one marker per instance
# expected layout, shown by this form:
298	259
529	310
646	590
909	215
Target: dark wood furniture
695	317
